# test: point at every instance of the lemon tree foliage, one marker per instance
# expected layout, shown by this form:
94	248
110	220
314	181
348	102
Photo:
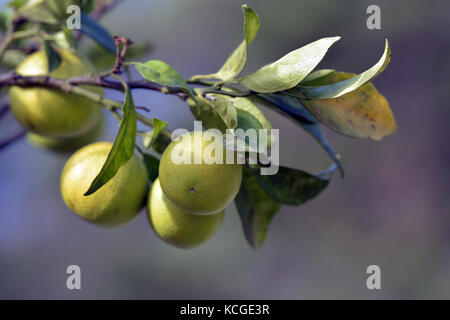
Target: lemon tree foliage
123	147
186	204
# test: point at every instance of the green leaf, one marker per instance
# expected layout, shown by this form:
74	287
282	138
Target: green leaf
6	16
316	75
256	209
245	121
362	113
315	90
292	186
215	114
150	137
53	57
123	147
152	165
94	30
238	59
17	3
288	71
160	72
296	111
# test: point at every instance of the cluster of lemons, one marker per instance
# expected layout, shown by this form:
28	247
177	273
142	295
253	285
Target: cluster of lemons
185	205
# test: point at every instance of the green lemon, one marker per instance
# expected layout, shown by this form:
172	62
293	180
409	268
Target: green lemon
115	203
51	112
177	227
198	188
70	144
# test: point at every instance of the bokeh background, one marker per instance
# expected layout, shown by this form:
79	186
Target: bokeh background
392	209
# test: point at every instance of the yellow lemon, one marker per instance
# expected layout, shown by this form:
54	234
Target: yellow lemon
177	227
198	188
51	112
115	203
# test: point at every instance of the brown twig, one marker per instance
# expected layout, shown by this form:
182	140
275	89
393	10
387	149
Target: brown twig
122	44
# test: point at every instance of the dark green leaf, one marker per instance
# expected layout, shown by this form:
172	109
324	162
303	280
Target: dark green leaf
160	72
292	186
123	147
152	165
246	120
256	209
94	30
150	137
53	57
295	110
288	71
336	89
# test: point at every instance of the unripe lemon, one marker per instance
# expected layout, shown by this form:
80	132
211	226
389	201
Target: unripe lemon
177	227
198	188
116	202
51	112
70	144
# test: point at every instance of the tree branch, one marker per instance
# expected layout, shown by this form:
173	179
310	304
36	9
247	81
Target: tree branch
11	140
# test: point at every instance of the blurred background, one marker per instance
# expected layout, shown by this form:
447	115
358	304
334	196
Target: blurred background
392	209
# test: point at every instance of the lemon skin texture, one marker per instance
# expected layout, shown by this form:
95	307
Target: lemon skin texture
116	202
48	111
198	188
66	145
177	227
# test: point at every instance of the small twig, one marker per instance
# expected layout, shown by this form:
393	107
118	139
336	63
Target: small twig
12	139
9	35
230	93
143	108
122	44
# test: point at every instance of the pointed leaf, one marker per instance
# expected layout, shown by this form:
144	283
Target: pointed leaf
292	186
94	30
150	137
333	89
152	165
219	113
237	60
256	209
160	72
53	57
288	71
362	113
123	147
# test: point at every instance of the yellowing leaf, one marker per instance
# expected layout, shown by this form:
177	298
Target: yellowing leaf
362	113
